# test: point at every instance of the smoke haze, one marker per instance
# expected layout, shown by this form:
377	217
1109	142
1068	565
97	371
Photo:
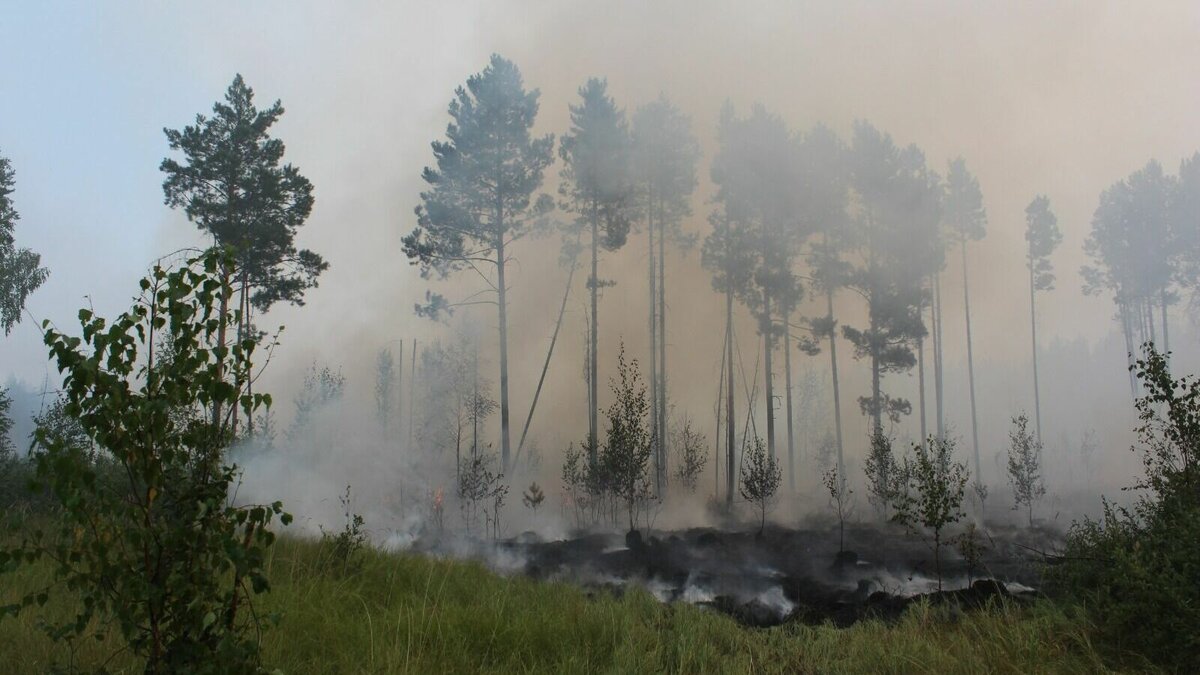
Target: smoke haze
1060	99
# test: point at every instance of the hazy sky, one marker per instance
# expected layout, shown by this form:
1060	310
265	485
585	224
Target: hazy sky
1054	98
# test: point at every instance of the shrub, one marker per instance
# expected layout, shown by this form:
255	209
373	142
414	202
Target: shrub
161	555
1136	567
760	480
933	500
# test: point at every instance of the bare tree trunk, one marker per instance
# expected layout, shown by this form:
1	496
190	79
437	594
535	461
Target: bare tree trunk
971	366
730	438
1127	329
1037	396
787	373
505	442
412	392
655	428
1166	344
562	308
662	350
921	386
400	389
767	347
593	426
938	366
837	398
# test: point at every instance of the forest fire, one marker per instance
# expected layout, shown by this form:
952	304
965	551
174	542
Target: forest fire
783	575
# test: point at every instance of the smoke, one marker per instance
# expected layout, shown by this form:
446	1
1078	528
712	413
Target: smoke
1059	100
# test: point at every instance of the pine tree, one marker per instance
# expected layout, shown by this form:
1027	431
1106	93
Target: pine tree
664	164
480	197
20	273
1042	236
232	185
596	186
966	221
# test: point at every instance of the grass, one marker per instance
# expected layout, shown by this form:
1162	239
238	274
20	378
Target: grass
396	613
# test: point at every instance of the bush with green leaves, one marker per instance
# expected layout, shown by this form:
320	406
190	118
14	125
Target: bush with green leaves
761	477
1025	465
344	545
1136	568
933	500
163	556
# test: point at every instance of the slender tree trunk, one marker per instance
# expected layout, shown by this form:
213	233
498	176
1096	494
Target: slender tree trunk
768	348
537	393
505	442
921	386
971	365
1127	329
663	415
1166	343
222	327
593	369
717	414
655	426
837	398
412	392
787	374
730	435
400	390
1037	396
938	365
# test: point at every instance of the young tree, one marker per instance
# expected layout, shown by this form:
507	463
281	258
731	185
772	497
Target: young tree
1025	465
596	186
933	500
626	453
20	274
533	497
966	220
480	196
839	499
1134	253
1042	236
760	480
322	387
232	186
163	555
692	452
886	479
664	164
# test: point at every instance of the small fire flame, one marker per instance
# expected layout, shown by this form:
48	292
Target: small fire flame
437	498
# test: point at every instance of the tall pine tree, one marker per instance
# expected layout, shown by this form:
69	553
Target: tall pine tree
480	197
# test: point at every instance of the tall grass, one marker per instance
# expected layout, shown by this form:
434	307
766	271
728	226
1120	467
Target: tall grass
396	613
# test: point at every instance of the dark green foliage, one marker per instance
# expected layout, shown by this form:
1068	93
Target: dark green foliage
533	497
885	474
625	457
1136	567
489	166
19	271
933	498
232	186
760	481
896	239
161	554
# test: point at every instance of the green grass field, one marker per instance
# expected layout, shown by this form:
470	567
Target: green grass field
400	613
